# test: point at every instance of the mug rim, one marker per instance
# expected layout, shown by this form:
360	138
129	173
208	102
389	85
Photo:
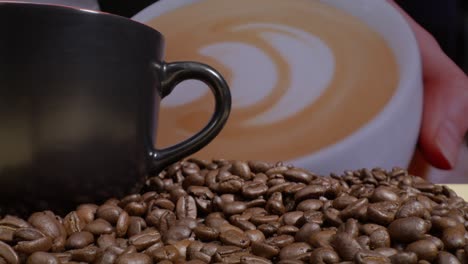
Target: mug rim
82	11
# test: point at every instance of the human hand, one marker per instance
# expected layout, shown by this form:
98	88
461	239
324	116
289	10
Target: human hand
445	115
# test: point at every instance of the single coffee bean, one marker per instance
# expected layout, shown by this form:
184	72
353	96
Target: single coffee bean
47	223
229	254
408	229
205	233
137	208
186	208
382	194
357	209
135	226
106	240
7	254
264	250
294	250
99	227
306	231
322	238
29	247
145	239
280	241
386	251
368	229
177	233
133	258
294	218
332	217
310	192
379	239
123	223
351	227
251	259
245	225
235	207
255	235
73	223
241	169
370	257
79	240
263	219
445	257
345	245
404	258
288	230
259	166
299	175
342	202
441	223
166	253
27	233
313	217
454	237
87	254
41	257
411	208
382	212
109	212
254	189
310	204
275	204
439	244
234	238
324	256
425	249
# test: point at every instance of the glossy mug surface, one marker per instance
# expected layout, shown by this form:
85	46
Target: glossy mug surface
79	103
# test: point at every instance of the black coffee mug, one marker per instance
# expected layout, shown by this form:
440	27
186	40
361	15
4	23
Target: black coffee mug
79	99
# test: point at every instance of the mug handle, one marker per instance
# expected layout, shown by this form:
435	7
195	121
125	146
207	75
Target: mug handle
171	75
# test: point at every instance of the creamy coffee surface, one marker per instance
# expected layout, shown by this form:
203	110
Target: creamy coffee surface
303	75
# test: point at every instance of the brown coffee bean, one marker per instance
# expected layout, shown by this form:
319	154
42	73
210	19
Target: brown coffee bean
280	241
386	251
275	204
177	233
357	209
234	208
364	242
288	230
263	219
342	202
47	223
27	233
7	254
332	217
379	239
368	229
186	208
441	223
382	212
145	239
86	212
306	231
241	169
79	240
254	189
269	229
439	244
310	192
404	258
109	212
322	238
345	245
163	219
42	258
299	175
255	235
294	250
408	229
447	258
411	208
245	225
264	250
106	240
133	258
229	254
259	166
454	237
166	253
87	254
310	204
99	227
234	238
73	223
370	257
123	222
205	233
138	208
351	227
425	249
383	194
250	259
324	256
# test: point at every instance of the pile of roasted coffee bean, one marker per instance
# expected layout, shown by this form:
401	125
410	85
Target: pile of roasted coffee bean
224	211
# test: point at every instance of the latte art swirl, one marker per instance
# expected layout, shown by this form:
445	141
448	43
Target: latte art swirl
300	72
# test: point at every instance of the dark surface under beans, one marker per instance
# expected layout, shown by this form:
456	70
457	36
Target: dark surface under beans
252	212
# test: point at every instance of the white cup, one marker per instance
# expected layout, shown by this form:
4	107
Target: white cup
389	139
